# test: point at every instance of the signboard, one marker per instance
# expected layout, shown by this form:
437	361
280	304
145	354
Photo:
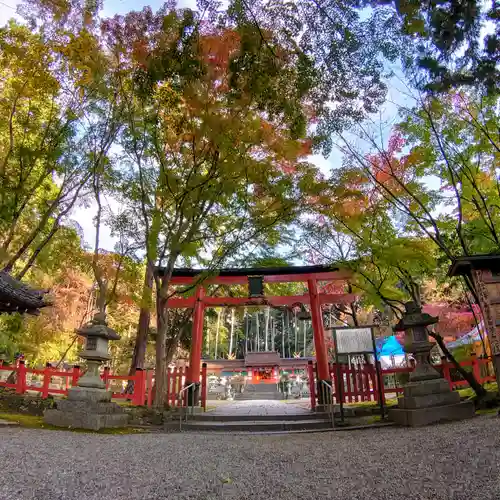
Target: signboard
354	340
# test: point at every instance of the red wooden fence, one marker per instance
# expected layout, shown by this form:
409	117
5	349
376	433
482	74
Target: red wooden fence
360	382
142	393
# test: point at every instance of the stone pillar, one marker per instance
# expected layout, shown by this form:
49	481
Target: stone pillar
427	397
89	404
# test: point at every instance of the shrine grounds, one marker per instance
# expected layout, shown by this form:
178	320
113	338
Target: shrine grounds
450	461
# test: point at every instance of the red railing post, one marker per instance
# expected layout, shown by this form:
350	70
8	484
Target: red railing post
204	386
312	385
46	381
139	387
150	374
21	378
176	376
75	376
105	376
143	387
476	369
380	389
446	371
369	376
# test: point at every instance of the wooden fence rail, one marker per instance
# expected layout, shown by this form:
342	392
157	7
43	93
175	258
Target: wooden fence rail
142	393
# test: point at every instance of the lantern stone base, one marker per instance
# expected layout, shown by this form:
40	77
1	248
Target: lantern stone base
87	408
428	402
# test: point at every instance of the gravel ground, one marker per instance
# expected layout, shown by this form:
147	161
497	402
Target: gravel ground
449	461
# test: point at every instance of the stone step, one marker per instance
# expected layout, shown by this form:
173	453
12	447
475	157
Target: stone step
261	388
257	425
254	396
207	417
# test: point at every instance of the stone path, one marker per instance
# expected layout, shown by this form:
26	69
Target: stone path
259	407
457	461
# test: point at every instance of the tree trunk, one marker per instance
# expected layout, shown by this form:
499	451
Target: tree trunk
288	323
283	335
160	366
217	333
266	330
273	334
474	384
245	321
161	336
232	332
141	340
296	330
208	339
305	337
257	332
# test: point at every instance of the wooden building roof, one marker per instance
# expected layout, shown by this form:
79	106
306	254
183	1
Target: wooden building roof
16	296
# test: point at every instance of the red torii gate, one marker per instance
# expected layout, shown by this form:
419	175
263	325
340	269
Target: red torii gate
257	277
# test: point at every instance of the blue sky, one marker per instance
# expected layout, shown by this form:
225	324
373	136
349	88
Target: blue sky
84	216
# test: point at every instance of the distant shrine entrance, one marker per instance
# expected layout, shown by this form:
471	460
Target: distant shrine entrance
262	367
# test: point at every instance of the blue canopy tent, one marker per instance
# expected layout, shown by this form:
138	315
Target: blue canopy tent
387	346
389	352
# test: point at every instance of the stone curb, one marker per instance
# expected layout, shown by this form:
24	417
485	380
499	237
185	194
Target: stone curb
7	423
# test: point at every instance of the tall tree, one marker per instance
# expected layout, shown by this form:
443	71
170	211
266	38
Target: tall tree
61	115
216	171
436	175
457	43
346	48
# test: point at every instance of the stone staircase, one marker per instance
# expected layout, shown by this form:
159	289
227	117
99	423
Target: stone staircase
257	423
259	391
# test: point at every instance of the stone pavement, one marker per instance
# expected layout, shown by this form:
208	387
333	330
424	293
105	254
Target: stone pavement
259	407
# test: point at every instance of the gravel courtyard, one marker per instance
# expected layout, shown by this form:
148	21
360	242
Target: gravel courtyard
449	461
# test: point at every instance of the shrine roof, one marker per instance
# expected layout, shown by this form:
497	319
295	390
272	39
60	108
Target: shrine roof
16	296
253	271
464	265
270	274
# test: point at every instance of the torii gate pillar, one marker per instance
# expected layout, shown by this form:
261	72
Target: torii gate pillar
193	374
319	342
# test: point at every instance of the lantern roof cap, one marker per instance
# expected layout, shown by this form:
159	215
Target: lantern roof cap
98	327
413	316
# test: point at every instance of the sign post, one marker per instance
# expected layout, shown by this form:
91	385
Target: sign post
357	340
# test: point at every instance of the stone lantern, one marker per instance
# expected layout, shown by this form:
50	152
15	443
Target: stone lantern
89	404
97	336
427	397
414	324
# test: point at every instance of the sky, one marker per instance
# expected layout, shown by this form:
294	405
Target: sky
84	216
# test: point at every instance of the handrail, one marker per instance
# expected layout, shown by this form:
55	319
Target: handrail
332	405
179	398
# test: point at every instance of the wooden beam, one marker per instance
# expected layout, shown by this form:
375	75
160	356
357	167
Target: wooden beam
324	298
278	278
